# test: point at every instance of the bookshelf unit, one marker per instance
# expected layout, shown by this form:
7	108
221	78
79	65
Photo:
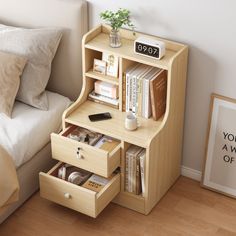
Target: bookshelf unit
162	139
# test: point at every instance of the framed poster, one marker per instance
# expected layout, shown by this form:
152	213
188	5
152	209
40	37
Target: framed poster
220	164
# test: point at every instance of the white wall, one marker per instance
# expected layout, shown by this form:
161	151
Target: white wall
209	28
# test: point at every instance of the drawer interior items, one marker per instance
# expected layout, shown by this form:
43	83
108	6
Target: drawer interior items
89	196
92	138
81	177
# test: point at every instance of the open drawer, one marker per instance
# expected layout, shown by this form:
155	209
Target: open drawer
85	156
76	197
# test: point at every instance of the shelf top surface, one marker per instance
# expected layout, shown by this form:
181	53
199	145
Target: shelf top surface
105	78
115	126
101	43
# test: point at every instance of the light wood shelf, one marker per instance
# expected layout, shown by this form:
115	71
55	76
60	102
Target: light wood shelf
106	78
140	137
101	43
162	139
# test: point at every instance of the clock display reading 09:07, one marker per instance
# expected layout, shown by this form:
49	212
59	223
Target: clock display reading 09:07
147	49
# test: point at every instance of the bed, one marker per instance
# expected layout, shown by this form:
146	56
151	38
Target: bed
64	85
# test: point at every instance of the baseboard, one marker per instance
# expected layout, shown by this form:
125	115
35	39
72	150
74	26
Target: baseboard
191	173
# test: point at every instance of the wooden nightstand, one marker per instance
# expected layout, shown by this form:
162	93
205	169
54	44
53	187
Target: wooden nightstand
162	139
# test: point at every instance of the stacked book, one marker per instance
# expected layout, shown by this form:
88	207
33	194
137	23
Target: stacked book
135	170
144	90
95	97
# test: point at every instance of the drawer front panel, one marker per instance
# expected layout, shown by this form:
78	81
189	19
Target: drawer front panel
84	156
67	194
108	194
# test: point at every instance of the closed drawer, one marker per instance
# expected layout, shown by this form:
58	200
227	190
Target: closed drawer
76	197
85	156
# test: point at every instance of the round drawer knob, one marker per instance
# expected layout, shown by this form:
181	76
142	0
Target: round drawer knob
67	195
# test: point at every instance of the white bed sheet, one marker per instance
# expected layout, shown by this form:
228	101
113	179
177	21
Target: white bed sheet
29	129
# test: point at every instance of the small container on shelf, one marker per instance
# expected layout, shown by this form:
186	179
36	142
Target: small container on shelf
106	89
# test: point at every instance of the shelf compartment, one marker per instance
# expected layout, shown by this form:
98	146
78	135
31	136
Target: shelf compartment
130	165
106	78
115	126
93	159
90	55
77	197
131	201
101	43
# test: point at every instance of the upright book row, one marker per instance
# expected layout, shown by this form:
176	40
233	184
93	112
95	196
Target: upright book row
135	170
144	91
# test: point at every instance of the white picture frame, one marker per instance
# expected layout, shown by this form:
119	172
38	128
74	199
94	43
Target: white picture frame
99	66
112	64
219	172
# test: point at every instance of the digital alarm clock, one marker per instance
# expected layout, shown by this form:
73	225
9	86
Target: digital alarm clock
149	47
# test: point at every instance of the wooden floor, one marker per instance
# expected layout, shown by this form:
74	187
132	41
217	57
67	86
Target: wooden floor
187	209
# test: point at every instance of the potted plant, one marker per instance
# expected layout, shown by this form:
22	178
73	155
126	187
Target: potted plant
116	20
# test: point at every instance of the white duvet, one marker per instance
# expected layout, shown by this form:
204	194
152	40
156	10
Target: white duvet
29	129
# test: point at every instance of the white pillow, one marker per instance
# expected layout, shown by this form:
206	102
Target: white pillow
39	47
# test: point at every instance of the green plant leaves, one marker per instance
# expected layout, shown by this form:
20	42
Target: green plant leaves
117	19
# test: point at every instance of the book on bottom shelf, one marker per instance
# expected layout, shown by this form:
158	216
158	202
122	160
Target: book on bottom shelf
142	157
133	169
137	182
